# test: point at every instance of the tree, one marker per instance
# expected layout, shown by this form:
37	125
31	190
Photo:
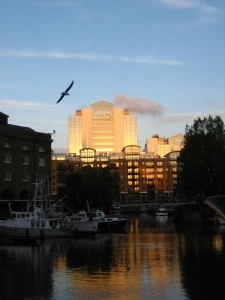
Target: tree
95	186
201	164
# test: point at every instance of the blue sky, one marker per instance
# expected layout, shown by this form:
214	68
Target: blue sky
162	59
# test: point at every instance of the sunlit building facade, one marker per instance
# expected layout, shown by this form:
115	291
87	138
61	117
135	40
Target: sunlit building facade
160	146
103	127
143	177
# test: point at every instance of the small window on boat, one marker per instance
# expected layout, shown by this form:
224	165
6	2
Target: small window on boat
42	223
37	223
32	223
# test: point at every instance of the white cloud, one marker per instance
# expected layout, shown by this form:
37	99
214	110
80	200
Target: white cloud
140	59
190	4
7	103
187	118
180	3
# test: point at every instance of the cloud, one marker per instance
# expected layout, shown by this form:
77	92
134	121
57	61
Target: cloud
191	4
187	118
139	105
22	104
140	59
180	3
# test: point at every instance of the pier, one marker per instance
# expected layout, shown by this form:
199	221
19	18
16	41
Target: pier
150	207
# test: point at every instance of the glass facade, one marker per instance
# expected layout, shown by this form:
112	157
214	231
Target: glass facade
103	127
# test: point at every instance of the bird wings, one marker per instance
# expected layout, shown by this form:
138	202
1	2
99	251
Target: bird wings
65	93
69	87
60	98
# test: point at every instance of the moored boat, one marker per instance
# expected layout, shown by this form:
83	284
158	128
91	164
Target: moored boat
81	225
109	222
161	210
33	222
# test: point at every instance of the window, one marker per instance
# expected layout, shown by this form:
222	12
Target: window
6	145
7	176
150	176
41	162
150	170
25	147
150	163
41	149
25	160
25	177
40	177
7	158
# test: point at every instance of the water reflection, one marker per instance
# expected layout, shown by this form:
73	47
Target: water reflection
154	260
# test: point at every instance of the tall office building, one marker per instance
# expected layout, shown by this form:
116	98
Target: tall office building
103	127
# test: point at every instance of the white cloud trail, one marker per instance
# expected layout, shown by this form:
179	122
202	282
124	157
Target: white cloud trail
139	59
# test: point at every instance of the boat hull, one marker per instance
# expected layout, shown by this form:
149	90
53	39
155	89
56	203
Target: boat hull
114	225
33	232
86	228
160	214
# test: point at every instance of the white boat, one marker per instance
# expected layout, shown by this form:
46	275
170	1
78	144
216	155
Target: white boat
33	222
81	225
110	222
161	210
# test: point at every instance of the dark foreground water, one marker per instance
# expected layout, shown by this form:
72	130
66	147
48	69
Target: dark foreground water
152	261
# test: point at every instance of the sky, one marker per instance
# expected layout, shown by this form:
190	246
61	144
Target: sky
162	59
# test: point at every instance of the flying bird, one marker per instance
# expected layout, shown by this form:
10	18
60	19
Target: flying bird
65	93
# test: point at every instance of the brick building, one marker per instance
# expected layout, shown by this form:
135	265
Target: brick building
143	177
24	156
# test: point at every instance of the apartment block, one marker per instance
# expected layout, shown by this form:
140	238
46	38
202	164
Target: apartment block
143	176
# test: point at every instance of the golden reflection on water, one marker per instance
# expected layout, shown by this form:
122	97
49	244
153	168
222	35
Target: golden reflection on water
151	261
139	262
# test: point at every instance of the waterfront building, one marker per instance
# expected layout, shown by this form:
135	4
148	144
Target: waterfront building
143	176
24	155
161	146
103	127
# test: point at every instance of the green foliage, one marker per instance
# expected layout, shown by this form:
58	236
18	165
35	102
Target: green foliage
201	163
93	185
